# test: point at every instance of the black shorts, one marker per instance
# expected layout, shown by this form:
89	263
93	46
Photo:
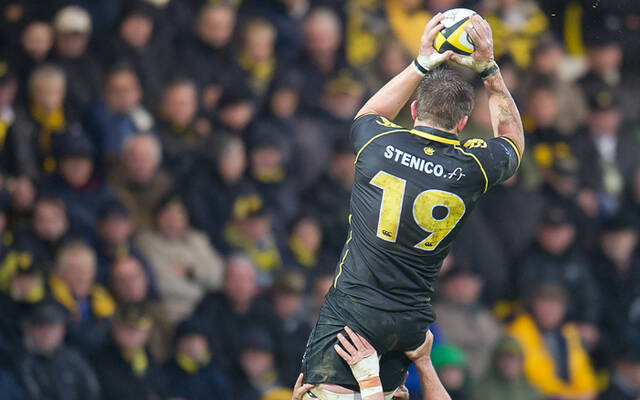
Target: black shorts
390	333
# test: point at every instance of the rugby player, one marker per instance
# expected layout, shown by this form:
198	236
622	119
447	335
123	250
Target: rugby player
412	192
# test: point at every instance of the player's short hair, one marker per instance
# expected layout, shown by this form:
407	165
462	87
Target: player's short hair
444	98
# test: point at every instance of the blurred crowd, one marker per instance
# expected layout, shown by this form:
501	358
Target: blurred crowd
174	190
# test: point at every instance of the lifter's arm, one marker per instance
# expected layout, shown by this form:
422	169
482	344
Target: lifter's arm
432	388
390	99
505	117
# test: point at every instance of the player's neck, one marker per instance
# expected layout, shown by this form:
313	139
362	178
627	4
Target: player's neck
419	122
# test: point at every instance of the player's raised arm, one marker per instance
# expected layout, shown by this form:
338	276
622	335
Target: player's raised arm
390	99
505	117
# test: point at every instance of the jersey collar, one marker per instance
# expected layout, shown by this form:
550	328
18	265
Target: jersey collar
436	135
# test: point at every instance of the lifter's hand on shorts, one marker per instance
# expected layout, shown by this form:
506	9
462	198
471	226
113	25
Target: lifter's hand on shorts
299	389
363	361
428	57
424	351
482	58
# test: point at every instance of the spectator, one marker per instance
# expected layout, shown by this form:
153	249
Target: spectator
190	374
140	183
320	286
236	108
464	321
23	195
129	284
182	258
555	361
124	367
47	368
505	379
236	309
256	55
625	382
72	26
180	131
304	248
451	366
120	114
36	40
293	330
8	89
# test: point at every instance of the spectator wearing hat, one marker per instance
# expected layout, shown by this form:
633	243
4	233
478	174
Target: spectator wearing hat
90	306
617	269
608	153
329	197
287	295
625	382
451	365
139	42
463	320
555	257
256	55
47	368
257	376
139	182
124	367
72	27
236	108
76	183
555	360
38	130
237	308
505	379
190	374
120	114
182	258
129	283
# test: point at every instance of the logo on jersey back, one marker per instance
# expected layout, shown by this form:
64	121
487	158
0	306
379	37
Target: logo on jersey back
429	151
475	144
385	122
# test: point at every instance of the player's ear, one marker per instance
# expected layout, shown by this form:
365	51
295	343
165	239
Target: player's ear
414	109
462	123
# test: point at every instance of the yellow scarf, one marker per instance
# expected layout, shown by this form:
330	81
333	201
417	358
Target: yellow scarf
51	123
269	175
265	254
261	71
190	365
138	361
102	304
303	255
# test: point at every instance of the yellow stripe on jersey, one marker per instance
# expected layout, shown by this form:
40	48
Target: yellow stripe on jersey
335	282
435	138
375	137
486	179
514	147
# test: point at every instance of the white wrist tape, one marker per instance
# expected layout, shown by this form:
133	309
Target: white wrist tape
370	391
430	62
366	368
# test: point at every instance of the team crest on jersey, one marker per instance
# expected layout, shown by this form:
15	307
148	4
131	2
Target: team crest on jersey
386	122
475	144
429	151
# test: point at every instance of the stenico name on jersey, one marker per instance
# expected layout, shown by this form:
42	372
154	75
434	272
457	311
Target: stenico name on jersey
411	161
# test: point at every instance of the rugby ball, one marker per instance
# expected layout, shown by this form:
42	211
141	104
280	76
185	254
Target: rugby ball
453	36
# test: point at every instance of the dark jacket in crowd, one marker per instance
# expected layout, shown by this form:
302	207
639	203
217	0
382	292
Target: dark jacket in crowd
207	65
85	78
203	384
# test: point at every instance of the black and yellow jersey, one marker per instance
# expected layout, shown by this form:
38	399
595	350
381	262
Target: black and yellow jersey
412	192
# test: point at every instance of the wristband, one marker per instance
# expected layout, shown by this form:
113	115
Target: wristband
489	71
421	70
366	368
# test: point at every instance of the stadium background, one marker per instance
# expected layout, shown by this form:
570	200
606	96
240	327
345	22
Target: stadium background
175	179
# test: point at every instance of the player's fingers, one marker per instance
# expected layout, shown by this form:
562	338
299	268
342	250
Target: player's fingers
480	26
355	338
343	354
347	345
472	32
298	382
431	35
433	22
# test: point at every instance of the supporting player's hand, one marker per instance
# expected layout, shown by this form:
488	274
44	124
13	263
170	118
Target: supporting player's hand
359	354
428	57
299	389
422	352
480	33
402	393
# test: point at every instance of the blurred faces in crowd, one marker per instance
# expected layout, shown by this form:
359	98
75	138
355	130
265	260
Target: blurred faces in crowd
50	220
180	103
37	39
122	90
76	266
240	285
47	87
172	220
215	24
322	37
129	282
231	160
45	328
142	155
549	306
72	25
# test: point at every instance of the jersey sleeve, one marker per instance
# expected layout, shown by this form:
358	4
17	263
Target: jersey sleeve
498	158
368	126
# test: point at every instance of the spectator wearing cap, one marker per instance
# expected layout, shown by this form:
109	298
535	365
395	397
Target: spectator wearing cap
90	306
256	55
505	379
139	182
180	130
129	283
237	308
607	154
77	184
124	367
39	129
555	257
210	193
329	196
138	43
120	114
257	376
47	368
72	27
115	241
190	374
555	360
463	320
287	295
236	108
182	259
625	382
451	365
617	269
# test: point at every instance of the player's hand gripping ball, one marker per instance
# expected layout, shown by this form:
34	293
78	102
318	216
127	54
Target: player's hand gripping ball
453	36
